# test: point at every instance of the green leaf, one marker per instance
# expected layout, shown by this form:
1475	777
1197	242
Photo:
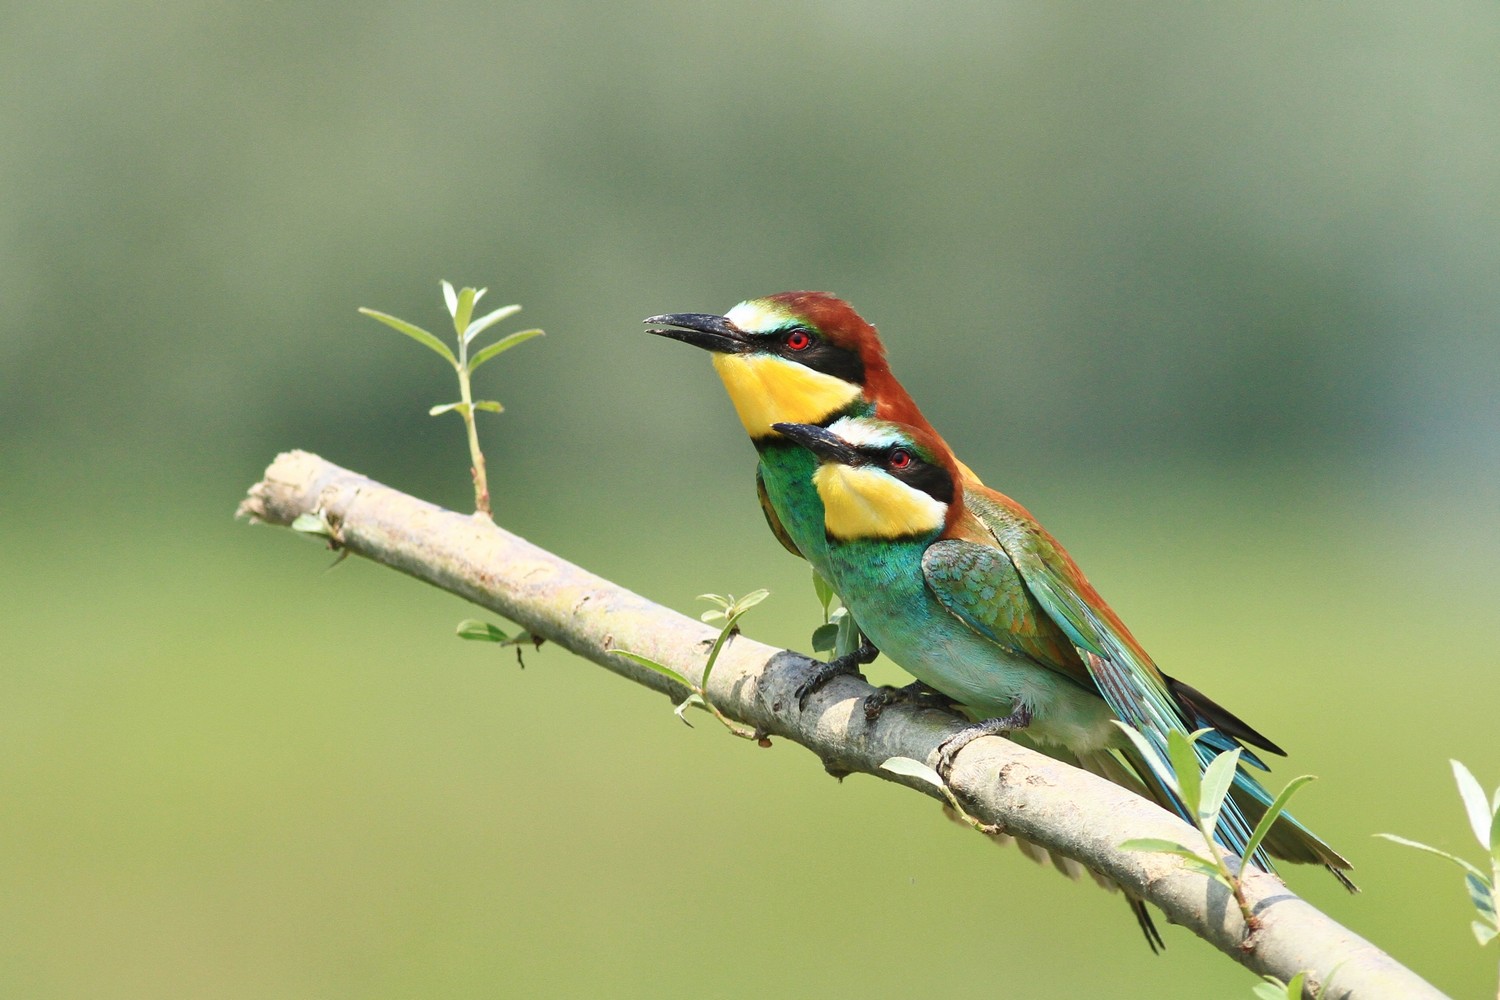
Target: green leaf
1185	766
416	333
311	524
1476	805
460	407
1275	809
1216	780
1159	767
650	664
489	405
825	637
465	310
1482	895
488	320
1433	850
747	602
912	769
478	631
824	590
1275	989
450	297
503	344
1191	859
848	640
693	699
1484	935
717	599
1156	845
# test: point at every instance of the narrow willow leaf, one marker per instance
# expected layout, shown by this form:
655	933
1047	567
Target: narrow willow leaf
1482	895
489	405
1156	845
824	638
693	699
1475	803
311	524
1159	767
848	640
503	344
465	310
478	631
718	599
416	333
749	601
1271	989
824	590
1217	778
912	769
1185	766
1275	809
460	407
1484	935
650	664
1432	850
450	297
488	320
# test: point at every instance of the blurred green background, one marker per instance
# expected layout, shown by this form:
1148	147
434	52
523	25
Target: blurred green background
1211	288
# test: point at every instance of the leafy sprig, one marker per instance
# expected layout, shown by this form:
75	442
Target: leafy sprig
728	610
1484	819
1203	793
460	305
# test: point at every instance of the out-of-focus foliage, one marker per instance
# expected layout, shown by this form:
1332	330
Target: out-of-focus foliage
1212	289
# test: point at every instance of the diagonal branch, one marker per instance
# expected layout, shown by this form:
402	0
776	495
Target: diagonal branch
1025	793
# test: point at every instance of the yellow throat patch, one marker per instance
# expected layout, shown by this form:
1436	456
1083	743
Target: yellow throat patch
769	390
864	502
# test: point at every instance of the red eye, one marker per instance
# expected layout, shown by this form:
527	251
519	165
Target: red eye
899	459
798	340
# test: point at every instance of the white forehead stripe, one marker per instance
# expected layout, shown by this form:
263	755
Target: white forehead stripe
863	432
756	317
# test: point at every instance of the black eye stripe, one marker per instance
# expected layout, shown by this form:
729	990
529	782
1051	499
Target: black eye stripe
821	355
918	473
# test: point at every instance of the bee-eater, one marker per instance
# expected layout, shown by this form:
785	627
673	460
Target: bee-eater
797	357
961	587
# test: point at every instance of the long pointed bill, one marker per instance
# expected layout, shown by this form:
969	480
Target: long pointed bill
705	330
822	442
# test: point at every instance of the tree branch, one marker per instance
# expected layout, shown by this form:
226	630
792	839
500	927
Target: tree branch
1023	792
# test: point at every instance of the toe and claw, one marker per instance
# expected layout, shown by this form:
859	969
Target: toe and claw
916	693
848	664
1019	718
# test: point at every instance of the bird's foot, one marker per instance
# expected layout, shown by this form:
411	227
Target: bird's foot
1019	718
848	664
915	693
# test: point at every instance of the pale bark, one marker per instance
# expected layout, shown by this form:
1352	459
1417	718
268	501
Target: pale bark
1060	807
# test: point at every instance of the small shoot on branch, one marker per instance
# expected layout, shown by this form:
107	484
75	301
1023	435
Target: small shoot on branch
475	630
1484	819
460	305
728	610
1203	793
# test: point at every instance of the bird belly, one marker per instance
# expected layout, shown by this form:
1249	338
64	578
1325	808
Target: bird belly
889	598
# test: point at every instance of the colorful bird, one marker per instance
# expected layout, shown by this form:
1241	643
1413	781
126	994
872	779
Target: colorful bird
798	357
964	589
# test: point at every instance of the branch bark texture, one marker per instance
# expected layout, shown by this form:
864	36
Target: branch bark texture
1025	793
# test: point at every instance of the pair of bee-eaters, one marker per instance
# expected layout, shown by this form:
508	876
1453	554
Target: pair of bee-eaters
955	582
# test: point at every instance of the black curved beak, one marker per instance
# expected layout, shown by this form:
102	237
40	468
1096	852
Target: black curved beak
822	442
705	330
